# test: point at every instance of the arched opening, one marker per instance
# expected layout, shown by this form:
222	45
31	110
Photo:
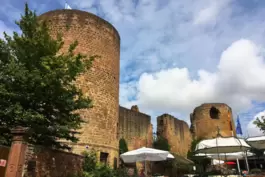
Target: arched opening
214	113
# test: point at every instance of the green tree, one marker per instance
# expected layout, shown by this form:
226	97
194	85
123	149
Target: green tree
123	146
90	160
260	123
161	143
200	161
192	149
258	153
37	87
93	168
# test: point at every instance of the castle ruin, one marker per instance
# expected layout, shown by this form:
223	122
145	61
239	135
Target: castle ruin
135	127
107	122
207	118
176	132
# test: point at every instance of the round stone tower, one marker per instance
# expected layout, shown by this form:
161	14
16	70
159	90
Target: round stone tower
95	36
208	118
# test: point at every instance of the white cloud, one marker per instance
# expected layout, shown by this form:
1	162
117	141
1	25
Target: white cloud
252	129
4	28
210	12
158	34
183	44
238	81
127	91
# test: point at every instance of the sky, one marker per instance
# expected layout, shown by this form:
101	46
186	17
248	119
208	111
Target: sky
176	55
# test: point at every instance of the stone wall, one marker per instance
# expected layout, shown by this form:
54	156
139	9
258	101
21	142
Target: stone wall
135	127
206	118
176	132
95	36
42	162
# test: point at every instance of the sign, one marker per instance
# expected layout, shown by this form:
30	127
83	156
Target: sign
2	163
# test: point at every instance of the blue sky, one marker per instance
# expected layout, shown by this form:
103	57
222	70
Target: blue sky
176	55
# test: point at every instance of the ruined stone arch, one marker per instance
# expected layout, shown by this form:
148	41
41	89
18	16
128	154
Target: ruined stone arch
214	113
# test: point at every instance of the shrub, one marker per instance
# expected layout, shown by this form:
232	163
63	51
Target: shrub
255	171
90	161
91	168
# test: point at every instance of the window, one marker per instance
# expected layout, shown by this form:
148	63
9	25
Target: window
214	113
104	157
161	122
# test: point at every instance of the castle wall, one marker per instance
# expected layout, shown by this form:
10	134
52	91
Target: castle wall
176	132
41	161
95	36
206	118
135	127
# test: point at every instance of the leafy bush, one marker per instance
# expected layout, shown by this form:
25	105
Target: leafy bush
255	171
102	170
90	161
123	146
92	168
214	172
161	143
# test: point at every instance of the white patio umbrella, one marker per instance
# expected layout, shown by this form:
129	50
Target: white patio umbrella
216	162
170	156
223	145
257	142
145	154
227	156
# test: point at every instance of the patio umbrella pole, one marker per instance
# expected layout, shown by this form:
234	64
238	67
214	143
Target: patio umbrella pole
145	169
246	159
226	165
238	166
218	134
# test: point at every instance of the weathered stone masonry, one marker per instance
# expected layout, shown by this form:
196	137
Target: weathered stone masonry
176	132
206	118
135	127
104	125
101	83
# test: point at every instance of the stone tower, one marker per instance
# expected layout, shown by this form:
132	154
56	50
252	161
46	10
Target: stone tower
177	133
95	36
207	118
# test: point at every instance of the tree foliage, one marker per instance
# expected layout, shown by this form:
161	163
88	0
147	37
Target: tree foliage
161	143
260	123
200	161
92	168
192	149
37	84
123	146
